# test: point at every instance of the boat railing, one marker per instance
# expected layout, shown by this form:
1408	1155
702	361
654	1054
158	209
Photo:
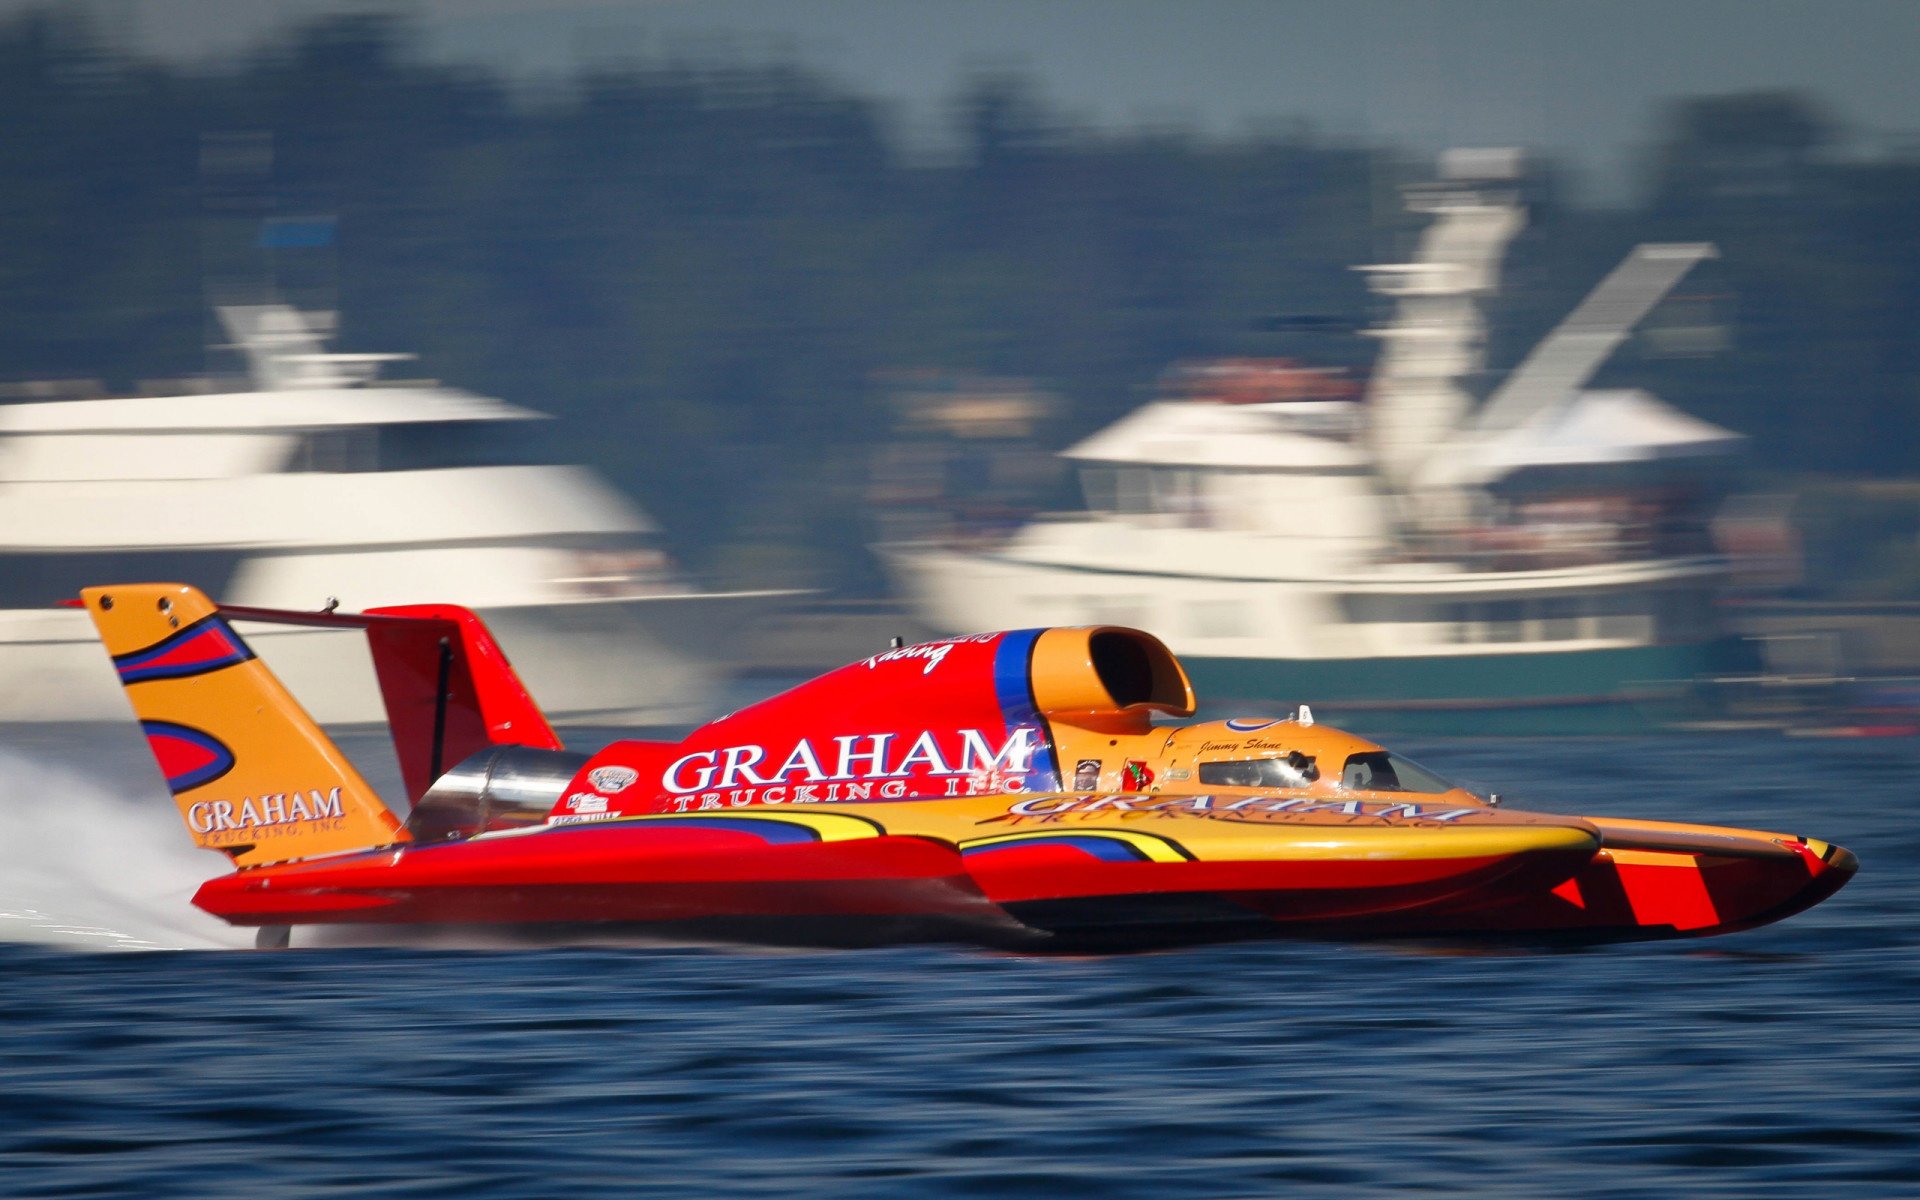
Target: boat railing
1529	547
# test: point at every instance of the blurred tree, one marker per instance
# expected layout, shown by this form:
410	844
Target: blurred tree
705	264
1817	259
1740	147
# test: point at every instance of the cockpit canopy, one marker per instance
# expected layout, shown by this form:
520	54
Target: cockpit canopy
1365	771
1382	771
1288	754
1293	770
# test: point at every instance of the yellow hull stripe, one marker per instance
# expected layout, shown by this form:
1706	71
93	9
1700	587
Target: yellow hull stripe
831	827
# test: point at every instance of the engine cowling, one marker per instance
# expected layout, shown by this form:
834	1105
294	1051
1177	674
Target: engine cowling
1108	677
951	717
501	787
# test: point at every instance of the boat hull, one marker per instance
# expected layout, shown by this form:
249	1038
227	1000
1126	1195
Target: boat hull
978	869
1656	879
1065	873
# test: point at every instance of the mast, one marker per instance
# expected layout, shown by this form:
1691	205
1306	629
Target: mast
1437	337
286	349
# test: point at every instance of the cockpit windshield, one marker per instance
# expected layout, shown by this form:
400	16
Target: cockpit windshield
1368	771
1379	771
1296	770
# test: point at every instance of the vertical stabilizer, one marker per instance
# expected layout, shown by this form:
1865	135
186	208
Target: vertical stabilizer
1435	342
252	774
286	349
449	690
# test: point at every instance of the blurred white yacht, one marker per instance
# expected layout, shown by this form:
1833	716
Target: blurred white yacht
320	481
1536	564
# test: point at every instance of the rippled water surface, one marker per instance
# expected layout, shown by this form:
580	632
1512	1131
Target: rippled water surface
1781	1062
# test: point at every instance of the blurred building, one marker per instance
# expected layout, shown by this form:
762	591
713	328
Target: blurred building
964	461
1539	561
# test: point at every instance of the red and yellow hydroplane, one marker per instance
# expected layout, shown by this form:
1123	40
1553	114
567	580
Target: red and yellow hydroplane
1024	788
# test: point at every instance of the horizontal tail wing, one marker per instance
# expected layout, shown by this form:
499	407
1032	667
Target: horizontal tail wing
448	687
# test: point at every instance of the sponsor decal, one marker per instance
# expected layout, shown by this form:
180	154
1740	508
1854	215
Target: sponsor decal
1086	775
930	654
854	767
1137	776
1048	808
270	814
583	807
835	792
1251	724
612	779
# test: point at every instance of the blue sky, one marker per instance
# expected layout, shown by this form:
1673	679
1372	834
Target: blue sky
1581	78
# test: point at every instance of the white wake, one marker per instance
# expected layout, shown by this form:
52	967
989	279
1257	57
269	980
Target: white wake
99	861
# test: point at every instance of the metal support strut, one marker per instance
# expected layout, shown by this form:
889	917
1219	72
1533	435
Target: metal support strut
440	709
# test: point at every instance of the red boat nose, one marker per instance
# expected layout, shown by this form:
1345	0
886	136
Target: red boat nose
1838	864
1758	893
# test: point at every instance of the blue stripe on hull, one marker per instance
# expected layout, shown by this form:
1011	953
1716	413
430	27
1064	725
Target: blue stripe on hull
1013	689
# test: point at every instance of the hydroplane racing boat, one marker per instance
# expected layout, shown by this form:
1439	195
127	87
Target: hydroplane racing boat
1023	788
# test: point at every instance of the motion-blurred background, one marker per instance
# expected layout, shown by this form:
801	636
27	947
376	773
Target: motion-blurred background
804	279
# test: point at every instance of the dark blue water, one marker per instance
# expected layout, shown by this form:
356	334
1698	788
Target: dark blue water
1781	1062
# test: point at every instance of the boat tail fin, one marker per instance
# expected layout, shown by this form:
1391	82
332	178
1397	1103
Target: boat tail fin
254	777
449	690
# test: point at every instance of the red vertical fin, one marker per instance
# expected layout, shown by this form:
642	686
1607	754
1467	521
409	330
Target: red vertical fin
449	691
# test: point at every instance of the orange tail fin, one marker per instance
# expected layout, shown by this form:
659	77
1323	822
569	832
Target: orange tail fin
252	774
